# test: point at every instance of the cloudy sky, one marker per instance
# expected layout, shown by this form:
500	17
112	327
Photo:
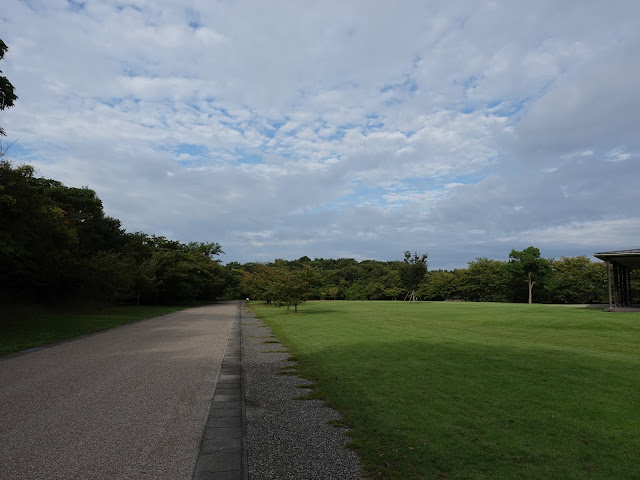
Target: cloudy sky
342	128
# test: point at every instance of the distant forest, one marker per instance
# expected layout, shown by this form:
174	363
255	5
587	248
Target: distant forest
57	243
570	280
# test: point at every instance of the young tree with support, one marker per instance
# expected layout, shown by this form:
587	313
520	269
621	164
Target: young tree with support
412	273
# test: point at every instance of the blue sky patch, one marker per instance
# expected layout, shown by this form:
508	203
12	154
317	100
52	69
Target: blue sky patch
250	159
191	149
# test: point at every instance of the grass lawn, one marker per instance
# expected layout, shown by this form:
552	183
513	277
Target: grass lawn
475	390
27	327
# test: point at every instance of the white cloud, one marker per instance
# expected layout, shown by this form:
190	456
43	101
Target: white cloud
338	129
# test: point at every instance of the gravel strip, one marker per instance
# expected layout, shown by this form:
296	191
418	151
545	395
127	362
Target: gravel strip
286	438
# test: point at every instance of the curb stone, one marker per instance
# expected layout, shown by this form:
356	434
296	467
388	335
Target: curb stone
222	454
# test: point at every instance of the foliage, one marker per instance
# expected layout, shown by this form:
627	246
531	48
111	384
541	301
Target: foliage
233	272
296	286
413	271
57	243
280	285
441	285
578	280
527	265
568	280
36	238
108	276
7	91
262	283
484	280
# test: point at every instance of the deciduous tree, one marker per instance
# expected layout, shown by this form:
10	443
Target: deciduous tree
297	286
484	281
578	280
529	265
412	272
7	91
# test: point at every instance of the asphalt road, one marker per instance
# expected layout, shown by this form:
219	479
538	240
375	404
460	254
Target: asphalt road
128	403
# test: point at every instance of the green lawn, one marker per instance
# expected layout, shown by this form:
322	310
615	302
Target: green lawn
27	327
475	390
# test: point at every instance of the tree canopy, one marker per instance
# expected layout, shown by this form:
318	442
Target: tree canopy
412	272
568	280
57	243
7	91
527	263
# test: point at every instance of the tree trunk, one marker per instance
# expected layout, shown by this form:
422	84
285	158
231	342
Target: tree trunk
531	284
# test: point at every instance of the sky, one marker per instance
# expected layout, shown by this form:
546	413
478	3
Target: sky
333	129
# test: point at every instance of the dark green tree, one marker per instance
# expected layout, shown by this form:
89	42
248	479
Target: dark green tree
182	276
441	285
57	243
209	250
144	279
528	265
281	285
107	277
484	281
84	213
262	282
297	286
164	270
7	94
233	272
412	272
578	280
37	243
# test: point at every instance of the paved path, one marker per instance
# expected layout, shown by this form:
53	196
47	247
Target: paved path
128	403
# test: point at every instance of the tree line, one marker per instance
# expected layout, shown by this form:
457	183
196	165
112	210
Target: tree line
56	243
525	277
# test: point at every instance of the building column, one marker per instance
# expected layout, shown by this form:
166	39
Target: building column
609	283
616	284
628	282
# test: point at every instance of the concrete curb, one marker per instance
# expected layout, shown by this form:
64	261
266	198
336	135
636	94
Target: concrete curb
223	451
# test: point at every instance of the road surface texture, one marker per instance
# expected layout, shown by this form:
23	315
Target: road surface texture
128	403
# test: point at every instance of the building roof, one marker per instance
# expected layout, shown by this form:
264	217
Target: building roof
626	258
